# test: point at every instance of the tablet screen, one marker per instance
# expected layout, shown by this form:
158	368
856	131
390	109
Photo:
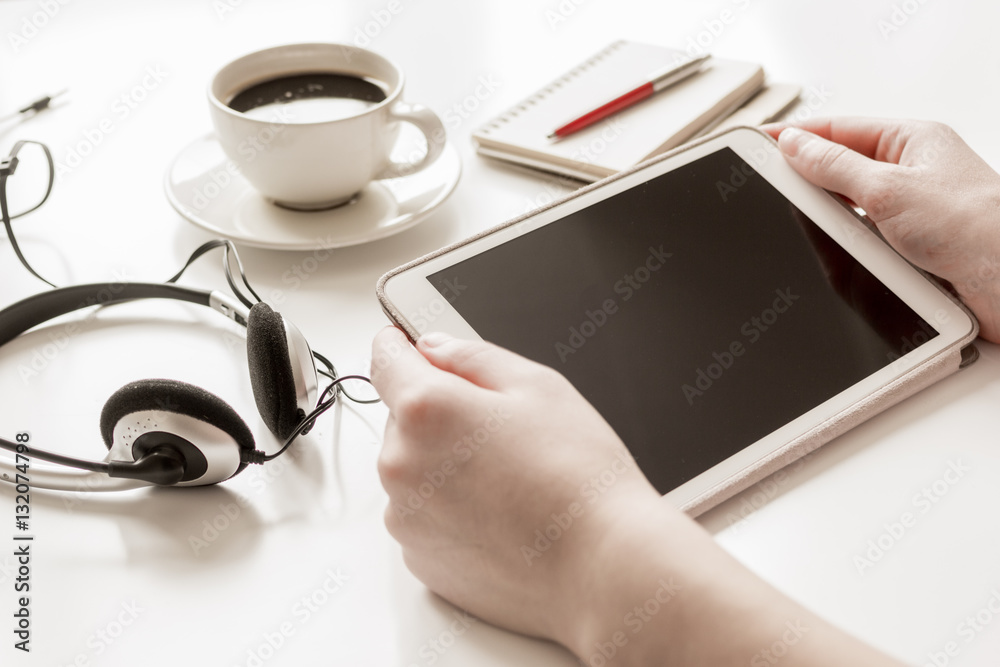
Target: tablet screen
698	312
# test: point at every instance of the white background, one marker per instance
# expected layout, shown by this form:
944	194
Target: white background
320	512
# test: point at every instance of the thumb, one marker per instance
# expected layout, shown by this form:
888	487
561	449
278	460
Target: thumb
839	169
481	363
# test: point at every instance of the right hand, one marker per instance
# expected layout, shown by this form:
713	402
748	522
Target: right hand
931	196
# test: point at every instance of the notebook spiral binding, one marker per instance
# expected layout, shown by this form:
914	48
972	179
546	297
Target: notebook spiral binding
522	106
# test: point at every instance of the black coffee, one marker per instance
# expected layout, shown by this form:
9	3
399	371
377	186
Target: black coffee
308	98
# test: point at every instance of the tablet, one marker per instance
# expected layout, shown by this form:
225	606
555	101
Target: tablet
724	315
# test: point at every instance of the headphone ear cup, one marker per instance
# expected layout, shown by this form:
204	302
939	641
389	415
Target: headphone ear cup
272	375
178	398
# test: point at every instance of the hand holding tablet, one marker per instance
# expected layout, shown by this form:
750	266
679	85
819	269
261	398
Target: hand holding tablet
927	191
640	537
723	315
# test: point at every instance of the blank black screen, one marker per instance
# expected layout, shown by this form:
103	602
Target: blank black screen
698	312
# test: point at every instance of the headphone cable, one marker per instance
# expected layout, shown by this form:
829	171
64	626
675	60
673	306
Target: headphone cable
259	457
7	168
59	459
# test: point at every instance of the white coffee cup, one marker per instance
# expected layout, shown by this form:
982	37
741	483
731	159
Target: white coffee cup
323	163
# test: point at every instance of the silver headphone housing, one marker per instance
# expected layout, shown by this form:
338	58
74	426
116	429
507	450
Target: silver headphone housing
221	451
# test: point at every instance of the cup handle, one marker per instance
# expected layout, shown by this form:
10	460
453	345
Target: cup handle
427	122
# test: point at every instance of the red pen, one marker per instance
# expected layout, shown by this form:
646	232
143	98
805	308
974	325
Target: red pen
657	82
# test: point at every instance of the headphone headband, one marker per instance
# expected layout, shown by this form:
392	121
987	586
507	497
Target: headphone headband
172	433
34	310
40	308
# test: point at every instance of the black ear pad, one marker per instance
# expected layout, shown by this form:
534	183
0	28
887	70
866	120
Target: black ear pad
271	374
178	397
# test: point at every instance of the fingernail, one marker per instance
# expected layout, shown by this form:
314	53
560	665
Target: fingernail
434	339
792	139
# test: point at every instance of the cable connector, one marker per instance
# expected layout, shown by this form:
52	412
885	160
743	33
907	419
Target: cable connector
254	456
35	107
8	165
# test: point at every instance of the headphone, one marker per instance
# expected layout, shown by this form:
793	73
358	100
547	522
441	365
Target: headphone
171	433
166	432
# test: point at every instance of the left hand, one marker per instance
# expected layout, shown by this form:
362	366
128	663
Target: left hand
484	451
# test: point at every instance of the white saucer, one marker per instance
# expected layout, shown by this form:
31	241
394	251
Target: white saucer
202	187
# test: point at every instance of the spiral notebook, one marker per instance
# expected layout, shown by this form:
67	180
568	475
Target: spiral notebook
658	124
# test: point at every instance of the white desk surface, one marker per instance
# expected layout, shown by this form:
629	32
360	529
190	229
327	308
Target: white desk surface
115	578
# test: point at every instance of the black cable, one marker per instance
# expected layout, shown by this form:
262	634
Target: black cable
355	399
332	374
92	466
306	422
198	252
38	105
7	168
326	362
243	275
227	248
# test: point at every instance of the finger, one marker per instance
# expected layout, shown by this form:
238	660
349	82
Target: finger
837	168
481	363
393	464
395	364
774	129
875	138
